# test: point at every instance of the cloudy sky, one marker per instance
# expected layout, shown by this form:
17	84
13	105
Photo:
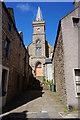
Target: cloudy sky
52	12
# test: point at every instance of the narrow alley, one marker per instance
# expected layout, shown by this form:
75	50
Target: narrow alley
39	60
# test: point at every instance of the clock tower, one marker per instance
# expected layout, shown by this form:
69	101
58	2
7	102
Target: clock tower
39	49
39	33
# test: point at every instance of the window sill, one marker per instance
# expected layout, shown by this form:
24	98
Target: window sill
77	96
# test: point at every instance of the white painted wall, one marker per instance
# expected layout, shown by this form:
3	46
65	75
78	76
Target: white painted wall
49	76
70	44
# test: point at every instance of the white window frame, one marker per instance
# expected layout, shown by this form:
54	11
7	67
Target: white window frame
75	82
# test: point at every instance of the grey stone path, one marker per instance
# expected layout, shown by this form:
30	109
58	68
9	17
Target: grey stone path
36	104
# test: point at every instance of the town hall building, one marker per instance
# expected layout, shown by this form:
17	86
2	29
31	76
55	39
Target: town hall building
40	50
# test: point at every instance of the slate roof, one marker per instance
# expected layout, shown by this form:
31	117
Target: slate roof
48	60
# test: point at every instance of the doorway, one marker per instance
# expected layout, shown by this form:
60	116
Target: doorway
5	72
38	69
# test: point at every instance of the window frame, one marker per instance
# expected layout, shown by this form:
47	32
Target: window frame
7	48
38	48
7	69
76	21
37	65
74	75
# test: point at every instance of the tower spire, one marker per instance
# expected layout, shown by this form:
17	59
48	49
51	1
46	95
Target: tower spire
39	15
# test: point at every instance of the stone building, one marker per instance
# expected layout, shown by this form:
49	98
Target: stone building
39	49
66	58
15	57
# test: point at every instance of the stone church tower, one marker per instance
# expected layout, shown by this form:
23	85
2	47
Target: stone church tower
39	49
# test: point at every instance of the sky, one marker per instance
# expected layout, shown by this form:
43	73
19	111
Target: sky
52	12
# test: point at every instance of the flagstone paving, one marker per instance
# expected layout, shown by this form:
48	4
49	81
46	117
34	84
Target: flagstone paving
35	104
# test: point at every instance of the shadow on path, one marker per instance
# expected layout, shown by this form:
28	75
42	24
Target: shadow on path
15	116
25	97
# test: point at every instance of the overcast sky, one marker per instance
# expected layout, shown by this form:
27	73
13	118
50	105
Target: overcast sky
52	12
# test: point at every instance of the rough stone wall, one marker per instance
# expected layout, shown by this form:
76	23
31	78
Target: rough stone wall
17	68
30	74
59	68
48	49
0	33
0	54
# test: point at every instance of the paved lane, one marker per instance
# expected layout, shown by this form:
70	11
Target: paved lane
35	104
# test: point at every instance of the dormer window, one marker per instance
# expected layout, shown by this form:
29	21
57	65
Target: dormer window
76	22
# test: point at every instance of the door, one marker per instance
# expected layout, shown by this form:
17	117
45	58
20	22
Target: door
38	70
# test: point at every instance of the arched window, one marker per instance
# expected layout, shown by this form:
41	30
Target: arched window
38	65
38	69
38	48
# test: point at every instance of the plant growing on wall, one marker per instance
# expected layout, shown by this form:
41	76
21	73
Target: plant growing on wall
44	80
47	82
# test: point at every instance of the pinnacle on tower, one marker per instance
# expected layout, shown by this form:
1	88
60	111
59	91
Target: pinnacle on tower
76	3
39	15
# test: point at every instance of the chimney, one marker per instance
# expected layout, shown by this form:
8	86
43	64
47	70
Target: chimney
10	10
21	34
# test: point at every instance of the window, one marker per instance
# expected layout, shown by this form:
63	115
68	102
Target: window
38	48
7	46
38	64
76	21
38	29
9	25
4	81
77	80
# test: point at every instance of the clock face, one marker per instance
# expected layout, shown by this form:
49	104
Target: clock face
38	29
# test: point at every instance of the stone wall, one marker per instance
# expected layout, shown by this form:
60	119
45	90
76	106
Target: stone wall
49	49
0	33
18	59
59	68
0	55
